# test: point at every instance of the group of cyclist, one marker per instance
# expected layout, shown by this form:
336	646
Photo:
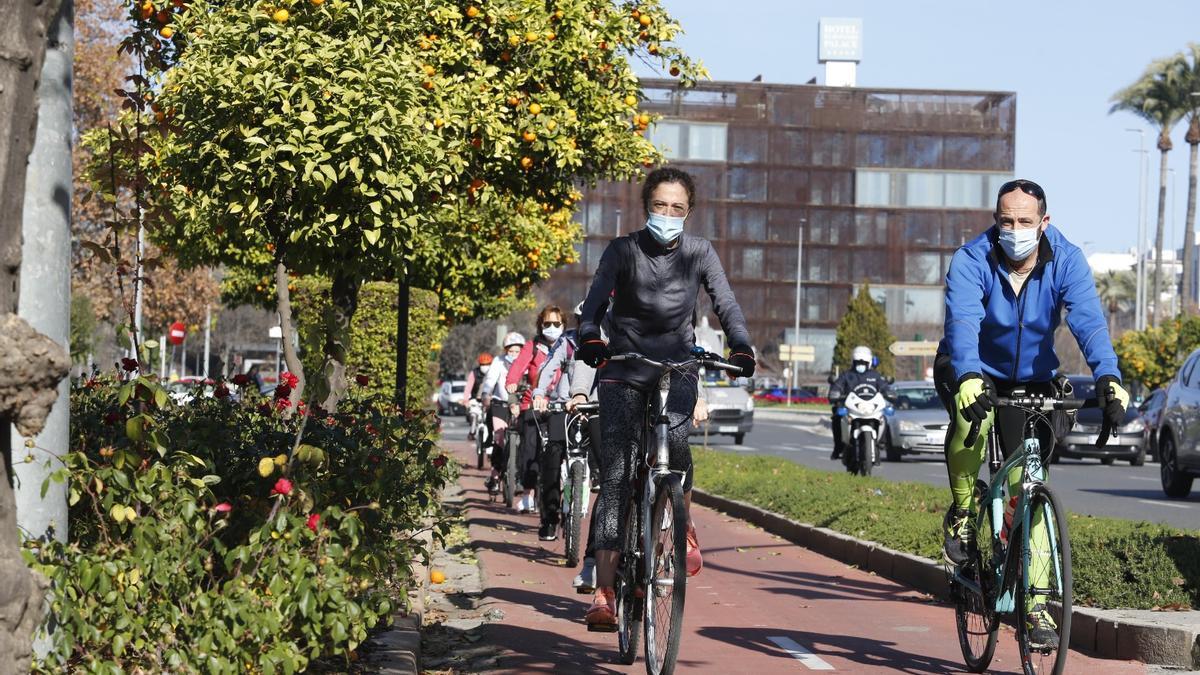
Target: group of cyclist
1006	291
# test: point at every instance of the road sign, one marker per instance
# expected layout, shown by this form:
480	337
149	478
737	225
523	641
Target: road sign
177	332
805	353
925	348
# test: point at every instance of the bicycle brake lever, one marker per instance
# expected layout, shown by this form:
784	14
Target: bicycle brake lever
972	435
1106	431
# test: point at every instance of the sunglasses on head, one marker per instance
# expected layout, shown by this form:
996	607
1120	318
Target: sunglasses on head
552	324
1027	186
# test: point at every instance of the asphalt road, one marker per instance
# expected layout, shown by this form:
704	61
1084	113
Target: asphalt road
1085	486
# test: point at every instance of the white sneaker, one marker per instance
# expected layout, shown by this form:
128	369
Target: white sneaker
585	581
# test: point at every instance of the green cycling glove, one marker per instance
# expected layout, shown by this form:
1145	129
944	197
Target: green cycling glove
974	399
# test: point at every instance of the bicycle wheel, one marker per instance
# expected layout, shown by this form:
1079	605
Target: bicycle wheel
1045	580
628	578
480	447
666	558
974	614
572	512
510	469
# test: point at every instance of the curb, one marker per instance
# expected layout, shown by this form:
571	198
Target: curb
1116	634
397	650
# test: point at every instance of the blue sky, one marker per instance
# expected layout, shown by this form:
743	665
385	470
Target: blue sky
1063	58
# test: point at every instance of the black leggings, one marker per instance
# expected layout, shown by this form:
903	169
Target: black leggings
622	416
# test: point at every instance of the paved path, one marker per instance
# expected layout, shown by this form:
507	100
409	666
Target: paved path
761	605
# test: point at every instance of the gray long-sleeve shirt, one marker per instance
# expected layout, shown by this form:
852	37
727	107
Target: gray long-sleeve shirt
654	304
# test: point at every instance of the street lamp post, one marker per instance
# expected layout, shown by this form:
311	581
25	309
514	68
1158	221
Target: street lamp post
1140	303
796	323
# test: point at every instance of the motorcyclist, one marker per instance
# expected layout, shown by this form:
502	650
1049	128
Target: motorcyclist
862	371
475	384
495	402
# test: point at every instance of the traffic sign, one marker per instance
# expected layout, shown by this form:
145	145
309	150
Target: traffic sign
924	348
177	332
805	353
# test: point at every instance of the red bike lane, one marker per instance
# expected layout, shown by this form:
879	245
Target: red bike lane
760	605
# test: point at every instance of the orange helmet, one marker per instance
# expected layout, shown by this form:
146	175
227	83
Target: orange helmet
485	359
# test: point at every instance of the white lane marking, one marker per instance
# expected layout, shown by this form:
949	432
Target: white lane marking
1157	503
806	658
1154	480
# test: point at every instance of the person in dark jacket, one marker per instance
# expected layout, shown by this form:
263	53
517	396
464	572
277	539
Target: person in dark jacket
862	371
1005	293
653	277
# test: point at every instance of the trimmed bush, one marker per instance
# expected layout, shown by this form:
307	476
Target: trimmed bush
1117	563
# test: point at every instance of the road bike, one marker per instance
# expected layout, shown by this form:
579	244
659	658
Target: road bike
651	574
1020	552
477	424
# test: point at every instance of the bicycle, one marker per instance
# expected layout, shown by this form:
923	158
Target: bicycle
478	425
653	560
576	477
509	434
1003	576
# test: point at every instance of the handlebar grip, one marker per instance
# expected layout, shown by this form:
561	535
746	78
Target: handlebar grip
972	435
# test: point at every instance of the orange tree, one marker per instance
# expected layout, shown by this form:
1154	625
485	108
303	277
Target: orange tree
350	138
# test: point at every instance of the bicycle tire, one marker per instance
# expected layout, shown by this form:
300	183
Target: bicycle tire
975	617
572	513
510	469
628	577
666	563
1038	661
480	446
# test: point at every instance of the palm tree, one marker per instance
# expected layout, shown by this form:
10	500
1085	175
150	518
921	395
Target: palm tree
1153	98
1184	76
1116	290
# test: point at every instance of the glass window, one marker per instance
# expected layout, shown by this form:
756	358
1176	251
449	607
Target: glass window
964	152
668	137
924	189
922	268
816	303
752	262
706	141
872	188
781	263
924	305
828	148
994	181
789	146
747	144
702	222
816	265
923	152
829	187
595	248
747	223
964	190
747	184
593	217
783	225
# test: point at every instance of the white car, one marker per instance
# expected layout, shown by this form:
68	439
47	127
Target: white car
450	398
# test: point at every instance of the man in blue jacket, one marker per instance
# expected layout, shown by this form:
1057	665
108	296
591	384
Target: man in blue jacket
1005	292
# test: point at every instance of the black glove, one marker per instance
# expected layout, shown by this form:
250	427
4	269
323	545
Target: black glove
593	352
1113	400
742	357
975	398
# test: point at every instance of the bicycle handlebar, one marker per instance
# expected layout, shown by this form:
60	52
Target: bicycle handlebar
709	360
1045	403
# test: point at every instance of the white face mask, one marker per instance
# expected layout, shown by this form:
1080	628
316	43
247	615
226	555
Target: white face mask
860	367
552	333
484	368
664	229
1019	243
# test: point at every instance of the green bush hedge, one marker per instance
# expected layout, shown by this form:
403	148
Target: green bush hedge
200	543
1117	563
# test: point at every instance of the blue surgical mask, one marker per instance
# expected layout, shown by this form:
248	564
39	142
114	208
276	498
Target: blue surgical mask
1019	243
664	229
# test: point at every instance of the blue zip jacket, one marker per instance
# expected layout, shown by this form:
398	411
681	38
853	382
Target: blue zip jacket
1010	336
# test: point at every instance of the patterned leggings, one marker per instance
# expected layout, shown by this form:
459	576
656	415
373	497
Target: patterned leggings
622	410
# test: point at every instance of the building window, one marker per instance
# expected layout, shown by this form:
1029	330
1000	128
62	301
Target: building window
922	268
926	189
964	190
690	140
873	188
747	184
752	262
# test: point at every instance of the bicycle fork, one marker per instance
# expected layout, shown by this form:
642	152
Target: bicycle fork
659	468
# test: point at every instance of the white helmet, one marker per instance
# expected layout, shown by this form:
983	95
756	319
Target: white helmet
861	353
514	338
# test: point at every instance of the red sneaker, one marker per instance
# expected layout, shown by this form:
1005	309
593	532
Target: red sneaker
695	561
602	615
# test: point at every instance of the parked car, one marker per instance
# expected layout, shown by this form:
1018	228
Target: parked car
185	389
730	410
450	398
1129	443
1179	430
919	424
1152	410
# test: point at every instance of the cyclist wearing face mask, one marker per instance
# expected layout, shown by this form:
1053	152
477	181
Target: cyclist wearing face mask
525	370
862	371
495	402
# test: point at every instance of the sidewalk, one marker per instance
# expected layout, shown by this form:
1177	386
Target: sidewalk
761	605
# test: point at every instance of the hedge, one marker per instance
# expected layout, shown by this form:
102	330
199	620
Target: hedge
1117	563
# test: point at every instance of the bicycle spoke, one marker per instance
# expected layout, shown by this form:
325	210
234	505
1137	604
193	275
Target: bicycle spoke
1044	591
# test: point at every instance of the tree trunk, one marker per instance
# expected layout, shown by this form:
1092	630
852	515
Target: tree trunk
1187	304
283	297
402	304
23	44
343	304
1164	146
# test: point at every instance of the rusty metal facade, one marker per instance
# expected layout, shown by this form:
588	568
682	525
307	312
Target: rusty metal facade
854	171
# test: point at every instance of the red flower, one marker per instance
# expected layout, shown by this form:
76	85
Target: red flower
314	520
290	379
439	461
129	365
283	487
223	507
241	379
282	403
362	380
221	391
283	391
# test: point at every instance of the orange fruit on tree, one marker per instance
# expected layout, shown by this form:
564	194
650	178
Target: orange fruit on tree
550	36
558	15
429	70
643	119
534	108
644	19
472	12
438	122
437	576
514	40
317	3
147	11
505	56
674	71
427	84
529	136
551	125
512	101
631	100
163	16
280	16
652	49
167	32
531	36
526	163
635	14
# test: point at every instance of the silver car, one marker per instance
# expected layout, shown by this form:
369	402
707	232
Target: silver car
919	424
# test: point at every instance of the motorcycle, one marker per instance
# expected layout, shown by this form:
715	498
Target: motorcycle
864	410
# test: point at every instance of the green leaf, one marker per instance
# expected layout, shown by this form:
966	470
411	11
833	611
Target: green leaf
134	427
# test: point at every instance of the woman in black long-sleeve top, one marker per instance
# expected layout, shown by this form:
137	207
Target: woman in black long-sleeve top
653	277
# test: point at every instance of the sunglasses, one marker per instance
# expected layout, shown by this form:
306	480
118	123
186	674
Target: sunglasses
1027	186
551	324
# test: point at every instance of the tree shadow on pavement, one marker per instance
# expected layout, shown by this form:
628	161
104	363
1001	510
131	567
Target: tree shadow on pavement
538	651
865	651
824	586
534	554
